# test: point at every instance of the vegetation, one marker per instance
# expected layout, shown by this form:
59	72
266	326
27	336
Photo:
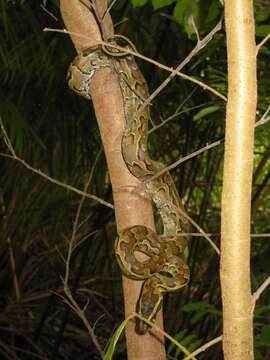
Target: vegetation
51	138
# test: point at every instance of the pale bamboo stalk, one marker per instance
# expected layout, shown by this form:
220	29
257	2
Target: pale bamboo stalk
237	181
132	207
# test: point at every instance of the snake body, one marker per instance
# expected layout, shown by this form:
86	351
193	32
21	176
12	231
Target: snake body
163	270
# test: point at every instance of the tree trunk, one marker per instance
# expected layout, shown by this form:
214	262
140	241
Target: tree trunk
131	206
237	183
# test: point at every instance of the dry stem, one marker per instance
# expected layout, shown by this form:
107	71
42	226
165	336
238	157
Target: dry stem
259	291
70	298
15	157
264	40
158	64
204	347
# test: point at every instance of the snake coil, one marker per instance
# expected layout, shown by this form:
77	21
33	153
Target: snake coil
164	270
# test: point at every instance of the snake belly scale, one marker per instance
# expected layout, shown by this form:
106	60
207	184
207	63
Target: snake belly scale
164	269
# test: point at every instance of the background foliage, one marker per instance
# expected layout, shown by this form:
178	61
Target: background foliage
54	130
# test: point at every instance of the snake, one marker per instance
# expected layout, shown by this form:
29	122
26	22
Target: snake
163	269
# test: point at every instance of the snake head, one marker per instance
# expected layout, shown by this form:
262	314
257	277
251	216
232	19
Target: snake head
141	327
77	80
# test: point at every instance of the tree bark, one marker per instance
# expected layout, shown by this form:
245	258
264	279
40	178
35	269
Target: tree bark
237	181
131	206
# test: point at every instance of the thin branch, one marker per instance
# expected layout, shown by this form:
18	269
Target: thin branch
76	221
173	72
71	301
200	45
264	119
175	342
13	269
11	253
14	156
201	84
49	13
264	40
256	295
201	231
161	66
204	347
198	234
195	28
108	9
185	158
176	114
260	235
98	16
57	182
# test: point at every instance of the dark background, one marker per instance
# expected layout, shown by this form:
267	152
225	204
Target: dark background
55	131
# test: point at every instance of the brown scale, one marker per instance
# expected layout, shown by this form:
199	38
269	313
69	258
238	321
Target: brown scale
163	270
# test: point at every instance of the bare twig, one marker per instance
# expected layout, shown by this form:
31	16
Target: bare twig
260	235
185	158
11	253
201	231
57	182
202	85
204	347
13	269
161	66
70	299
76	221
176	114
48	12
264	40
198	234
195	29
260	122
200	44
108	9
12	351
264	119
99	18
259	291
15	157
175	342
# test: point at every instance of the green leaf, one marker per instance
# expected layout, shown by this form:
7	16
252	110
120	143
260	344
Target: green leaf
138	3
158	4
265	335
184	12
257	354
261	309
194	345
206	111
188	342
214	11
180	10
200	309
114	339
200	305
185	342
262	13
178	337
262	30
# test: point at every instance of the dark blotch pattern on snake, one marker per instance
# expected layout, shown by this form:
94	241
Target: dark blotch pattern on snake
163	270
